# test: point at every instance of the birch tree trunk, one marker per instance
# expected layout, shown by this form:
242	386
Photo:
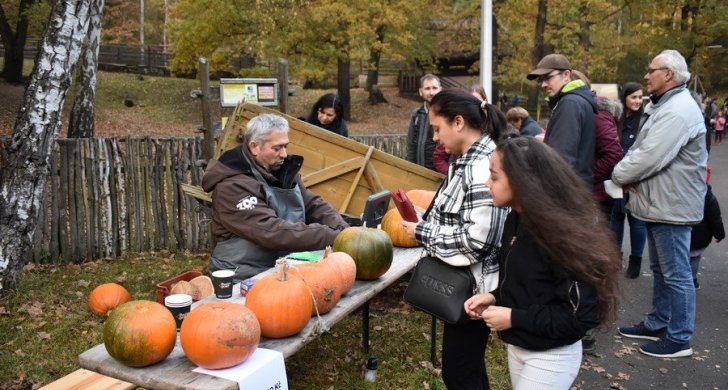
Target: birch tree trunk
81	122
25	174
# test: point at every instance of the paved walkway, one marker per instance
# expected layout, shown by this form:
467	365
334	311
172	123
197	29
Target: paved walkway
617	363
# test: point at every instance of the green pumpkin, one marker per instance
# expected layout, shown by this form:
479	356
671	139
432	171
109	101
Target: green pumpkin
371	250
140	333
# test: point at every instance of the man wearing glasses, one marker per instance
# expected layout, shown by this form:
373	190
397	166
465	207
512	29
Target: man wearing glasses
666	170
570	130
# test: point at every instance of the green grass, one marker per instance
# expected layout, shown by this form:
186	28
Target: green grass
46	324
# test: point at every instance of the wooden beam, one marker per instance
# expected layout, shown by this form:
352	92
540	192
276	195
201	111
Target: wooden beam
333	171
350	194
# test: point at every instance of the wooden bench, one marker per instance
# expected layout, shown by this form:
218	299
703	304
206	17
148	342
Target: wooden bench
88	380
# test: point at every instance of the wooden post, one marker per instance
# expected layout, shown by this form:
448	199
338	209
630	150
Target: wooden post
283	85
208	144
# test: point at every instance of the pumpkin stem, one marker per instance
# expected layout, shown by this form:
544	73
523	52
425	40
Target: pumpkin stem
282	267
327	251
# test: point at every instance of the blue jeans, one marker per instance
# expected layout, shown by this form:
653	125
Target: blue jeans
673	292
637	229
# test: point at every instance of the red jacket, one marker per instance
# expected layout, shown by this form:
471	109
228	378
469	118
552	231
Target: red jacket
608	150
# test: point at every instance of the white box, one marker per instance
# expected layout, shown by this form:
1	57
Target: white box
264	370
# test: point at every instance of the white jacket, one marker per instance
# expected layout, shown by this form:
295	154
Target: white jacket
667	162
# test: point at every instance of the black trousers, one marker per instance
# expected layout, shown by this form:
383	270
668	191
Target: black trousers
463	356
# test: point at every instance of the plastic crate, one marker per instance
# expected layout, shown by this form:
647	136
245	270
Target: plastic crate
164	287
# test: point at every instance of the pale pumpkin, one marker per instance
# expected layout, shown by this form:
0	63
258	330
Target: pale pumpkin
344	264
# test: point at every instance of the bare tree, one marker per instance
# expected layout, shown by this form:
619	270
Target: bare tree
81	121
25	173
14	42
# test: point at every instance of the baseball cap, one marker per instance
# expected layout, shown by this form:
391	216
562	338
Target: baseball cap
548	64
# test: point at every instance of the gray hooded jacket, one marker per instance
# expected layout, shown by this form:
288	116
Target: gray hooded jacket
667	162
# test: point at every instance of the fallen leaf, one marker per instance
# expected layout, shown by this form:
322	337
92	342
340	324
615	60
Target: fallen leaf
664	370
378	328
83	283
121	279
616	385
425	385
623	376
3	311
44	335
598	370
20	352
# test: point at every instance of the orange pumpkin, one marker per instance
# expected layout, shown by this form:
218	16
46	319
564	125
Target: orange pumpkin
421	198
281	302
324	282
392	225
219	335
140	333
106	297
345	265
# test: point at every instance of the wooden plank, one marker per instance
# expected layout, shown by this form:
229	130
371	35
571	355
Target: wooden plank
175	372
56	211
196	192
349	194
332	171
82	379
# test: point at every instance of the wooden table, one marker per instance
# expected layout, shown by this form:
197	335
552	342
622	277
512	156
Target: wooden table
175	372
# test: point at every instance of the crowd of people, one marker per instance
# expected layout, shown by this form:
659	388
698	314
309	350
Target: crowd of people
548	269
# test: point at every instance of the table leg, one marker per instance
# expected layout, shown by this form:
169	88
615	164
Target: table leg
365	327
433	341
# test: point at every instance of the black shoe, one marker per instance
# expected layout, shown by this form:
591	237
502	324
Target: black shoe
633	269
696	284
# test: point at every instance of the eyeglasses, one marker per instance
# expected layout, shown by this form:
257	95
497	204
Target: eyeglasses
651	71
547	78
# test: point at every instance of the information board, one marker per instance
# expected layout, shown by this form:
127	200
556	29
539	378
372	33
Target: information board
263	92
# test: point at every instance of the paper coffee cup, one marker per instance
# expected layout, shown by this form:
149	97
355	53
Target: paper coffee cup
222	281
179	305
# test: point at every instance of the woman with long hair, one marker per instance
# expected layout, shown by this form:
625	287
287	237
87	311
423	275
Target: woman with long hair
462	226
629	122
327	113
558	266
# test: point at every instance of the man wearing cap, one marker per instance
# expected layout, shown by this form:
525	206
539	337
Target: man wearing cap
570	130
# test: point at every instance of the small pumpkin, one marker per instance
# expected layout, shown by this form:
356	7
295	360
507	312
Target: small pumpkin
140	333
370	248
184	287
421	198
345	265
203	287
392	224
324	281
281	302
219	335
106	297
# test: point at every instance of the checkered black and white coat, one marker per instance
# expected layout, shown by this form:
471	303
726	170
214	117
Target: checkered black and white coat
464	227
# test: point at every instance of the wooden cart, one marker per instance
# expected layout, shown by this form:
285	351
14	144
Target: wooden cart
340	170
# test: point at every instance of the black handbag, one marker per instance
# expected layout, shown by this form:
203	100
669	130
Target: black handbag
441	289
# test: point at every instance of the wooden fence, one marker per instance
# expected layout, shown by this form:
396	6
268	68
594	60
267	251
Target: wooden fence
110	196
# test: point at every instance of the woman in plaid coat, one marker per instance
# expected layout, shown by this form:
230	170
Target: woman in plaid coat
462	226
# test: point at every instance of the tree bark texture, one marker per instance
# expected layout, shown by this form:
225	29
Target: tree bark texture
375	55
81	122
539	50
14	42
343	84
26	172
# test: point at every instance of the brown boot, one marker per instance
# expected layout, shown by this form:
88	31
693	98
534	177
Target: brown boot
633	269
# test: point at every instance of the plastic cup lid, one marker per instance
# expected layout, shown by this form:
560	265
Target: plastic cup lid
178	300
223	273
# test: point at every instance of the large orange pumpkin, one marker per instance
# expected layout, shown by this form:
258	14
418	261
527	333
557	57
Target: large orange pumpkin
281	302
370	248
345	265
140	333
392	225
219	335
421	198
106	297
324	282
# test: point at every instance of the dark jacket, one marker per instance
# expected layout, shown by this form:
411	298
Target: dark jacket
546	311
711	225
420	146
530	127
338	126
630	129
239	206
571	128
608	151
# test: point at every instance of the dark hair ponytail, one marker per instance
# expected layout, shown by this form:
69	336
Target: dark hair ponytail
477	114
